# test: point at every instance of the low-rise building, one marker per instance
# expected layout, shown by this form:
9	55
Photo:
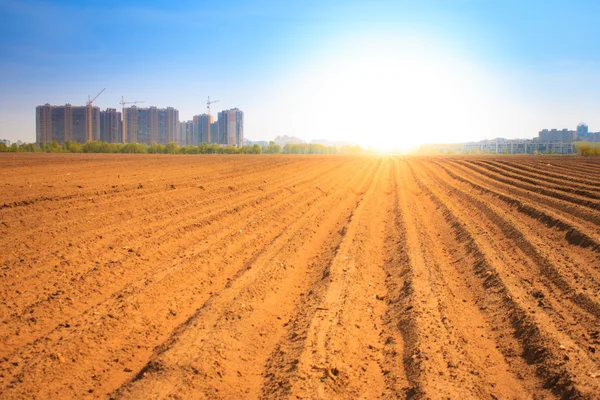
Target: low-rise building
519	146
554	135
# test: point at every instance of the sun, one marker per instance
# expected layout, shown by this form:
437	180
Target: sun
388	93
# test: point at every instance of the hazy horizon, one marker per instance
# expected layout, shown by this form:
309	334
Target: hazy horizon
386	74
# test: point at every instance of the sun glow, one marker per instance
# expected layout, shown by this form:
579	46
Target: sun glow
388	93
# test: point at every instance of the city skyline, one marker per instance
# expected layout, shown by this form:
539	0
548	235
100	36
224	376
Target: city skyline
385	74
202	128
144	125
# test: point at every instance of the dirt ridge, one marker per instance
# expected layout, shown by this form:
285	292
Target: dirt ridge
293	276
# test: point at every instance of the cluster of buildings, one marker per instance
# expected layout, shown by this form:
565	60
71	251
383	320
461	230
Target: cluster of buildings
227	130
136	125
519	146
548	141
584	135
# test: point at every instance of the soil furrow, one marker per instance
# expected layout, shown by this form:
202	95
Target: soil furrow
299	276
116	310
576	234
503	302
541	190
549	300
557	178
460	352
244	314
30	311
340	350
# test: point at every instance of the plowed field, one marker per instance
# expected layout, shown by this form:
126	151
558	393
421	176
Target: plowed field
138	276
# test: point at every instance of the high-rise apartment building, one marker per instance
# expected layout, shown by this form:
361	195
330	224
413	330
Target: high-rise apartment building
150	125
186	133
80	124
168	118
201	129
43	124
62	123
195	130
214	132
147	123
204	122
231	127
110	126
130	124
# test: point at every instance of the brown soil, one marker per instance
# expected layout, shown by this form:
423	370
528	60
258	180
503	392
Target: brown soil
137	276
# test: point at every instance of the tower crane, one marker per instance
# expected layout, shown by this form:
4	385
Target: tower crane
124	117
123	102
208	103
209	119
90	101
90	116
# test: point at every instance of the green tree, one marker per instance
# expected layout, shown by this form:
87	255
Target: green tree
245	150
231	150
203	148
171	148
54	147
155	148
133	148
272	148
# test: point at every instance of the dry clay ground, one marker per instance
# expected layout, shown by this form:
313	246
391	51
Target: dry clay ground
137	276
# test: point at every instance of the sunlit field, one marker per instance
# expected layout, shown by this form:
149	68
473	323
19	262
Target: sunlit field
244	276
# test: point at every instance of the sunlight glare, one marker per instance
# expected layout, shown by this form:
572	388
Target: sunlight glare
389	93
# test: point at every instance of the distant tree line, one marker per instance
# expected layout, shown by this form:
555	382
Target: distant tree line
588	148
155	148
172	148
311	148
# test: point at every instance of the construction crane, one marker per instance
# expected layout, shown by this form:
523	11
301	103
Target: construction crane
90	101
123	102
90	117
208	103
124	117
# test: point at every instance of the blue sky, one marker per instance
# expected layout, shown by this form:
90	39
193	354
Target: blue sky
317	69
